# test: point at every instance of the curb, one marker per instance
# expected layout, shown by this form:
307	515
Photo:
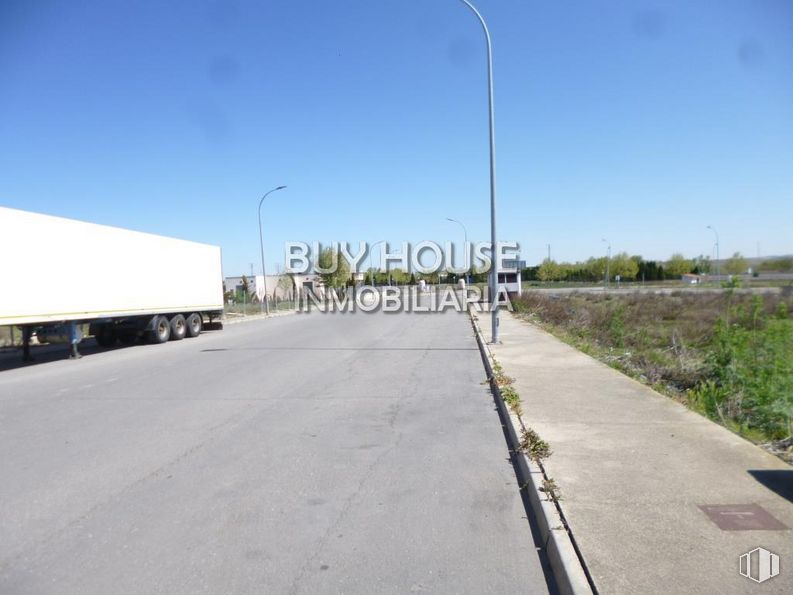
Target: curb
251	317
566	562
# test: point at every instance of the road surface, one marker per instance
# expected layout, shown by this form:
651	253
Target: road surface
356	453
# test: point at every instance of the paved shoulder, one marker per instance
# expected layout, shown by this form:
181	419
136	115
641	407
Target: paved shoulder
638	471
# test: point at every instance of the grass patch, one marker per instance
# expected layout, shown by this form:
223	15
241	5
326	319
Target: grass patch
535	447
551	489
512	399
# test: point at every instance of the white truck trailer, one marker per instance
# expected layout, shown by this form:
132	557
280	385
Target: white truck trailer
126	285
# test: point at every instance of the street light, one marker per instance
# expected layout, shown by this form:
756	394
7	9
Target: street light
494	268
718	270
608	262
261	248
465	246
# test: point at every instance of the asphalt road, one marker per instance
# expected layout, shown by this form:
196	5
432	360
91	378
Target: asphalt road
316	453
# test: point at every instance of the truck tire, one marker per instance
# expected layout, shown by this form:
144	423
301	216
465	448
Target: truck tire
106	335
162	330
178	328
194	323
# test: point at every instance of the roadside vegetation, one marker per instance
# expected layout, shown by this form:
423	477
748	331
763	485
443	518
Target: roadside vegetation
530	442
634	268
726	355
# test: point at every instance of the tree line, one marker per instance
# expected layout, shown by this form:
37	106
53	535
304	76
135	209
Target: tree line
630	268
593	270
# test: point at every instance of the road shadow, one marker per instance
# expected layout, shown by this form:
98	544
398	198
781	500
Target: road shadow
11	358
776	480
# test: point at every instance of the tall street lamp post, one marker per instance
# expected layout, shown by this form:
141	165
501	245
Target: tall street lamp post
608	262
261	248
491	121
465	247
718	268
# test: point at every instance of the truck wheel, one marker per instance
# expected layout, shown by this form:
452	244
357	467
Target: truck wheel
162	330
194	323
178	328
106	336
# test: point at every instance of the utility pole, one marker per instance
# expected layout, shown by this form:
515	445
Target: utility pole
261	248
492	129
718	265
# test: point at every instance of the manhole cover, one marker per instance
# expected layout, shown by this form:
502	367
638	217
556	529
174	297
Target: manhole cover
742	517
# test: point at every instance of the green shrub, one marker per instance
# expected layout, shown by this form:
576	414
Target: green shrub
727	355
751	371
617	326
535	447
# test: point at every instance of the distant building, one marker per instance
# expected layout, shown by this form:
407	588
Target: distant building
236	286
514	264
691	279
306	283
280	286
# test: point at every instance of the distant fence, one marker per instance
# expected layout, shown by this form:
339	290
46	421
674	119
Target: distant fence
249	309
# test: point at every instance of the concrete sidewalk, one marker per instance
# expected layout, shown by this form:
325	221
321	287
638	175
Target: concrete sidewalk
635	469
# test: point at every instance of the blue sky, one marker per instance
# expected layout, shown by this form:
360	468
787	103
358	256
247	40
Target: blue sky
640	122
